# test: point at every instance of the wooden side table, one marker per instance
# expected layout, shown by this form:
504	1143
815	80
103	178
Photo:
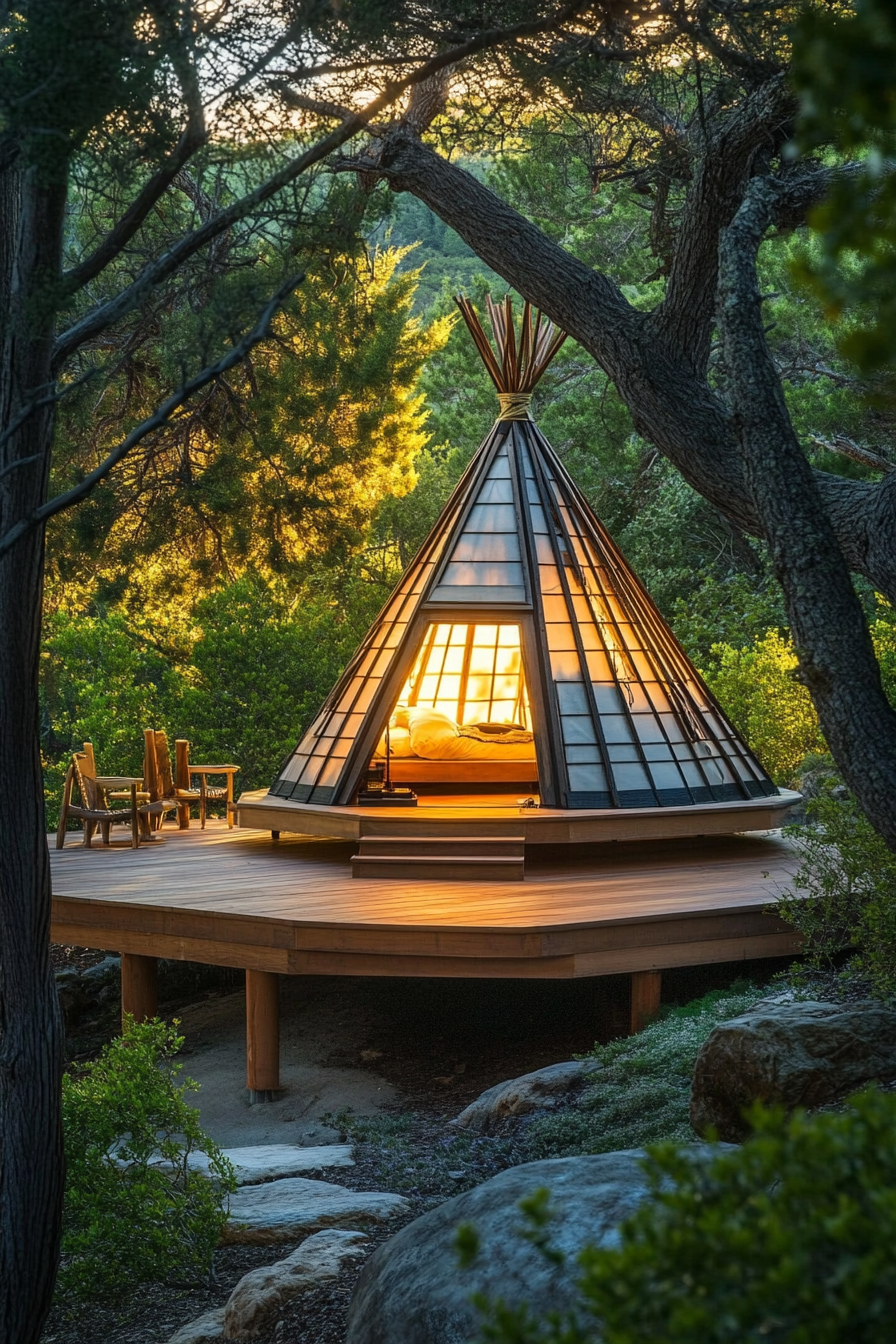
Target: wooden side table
203	771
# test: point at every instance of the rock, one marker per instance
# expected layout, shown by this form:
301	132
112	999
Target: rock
258	1297
203	1330
285	1210
273	1161
107	969
413	1291
538	1091
795	1054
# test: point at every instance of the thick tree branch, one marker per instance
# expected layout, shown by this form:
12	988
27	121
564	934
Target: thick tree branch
160	417
724	166
672	406
193	137
829	628
109	313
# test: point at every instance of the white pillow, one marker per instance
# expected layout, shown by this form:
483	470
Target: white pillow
399	744
431	731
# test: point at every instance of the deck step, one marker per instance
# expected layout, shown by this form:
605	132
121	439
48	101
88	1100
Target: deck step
456	867
485	846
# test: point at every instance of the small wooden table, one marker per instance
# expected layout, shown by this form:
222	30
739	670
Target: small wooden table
203	771
133	783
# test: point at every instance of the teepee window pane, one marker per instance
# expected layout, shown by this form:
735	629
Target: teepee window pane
500	467
620	751
577	728
544	551
491	518
616	728
608	699
536	512
647	728
487	546
496	492
586	778
665	776
572	698
658	751
630	777
565	665
549	580
582	754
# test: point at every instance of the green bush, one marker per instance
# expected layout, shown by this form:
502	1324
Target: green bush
790	1239
641	1091
126	1220
844	892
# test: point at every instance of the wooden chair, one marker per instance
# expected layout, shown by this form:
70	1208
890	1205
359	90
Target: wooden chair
92	809
158	778
185	788
113	795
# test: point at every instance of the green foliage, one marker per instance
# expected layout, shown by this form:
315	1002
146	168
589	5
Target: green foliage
101	681
845	69
789	1239
844	892
125	1220
260	669
757	687
641	1090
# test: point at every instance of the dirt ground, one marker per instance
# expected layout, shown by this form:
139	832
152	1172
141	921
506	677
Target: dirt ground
385	1063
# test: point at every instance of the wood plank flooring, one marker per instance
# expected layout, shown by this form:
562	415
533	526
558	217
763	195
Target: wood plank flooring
239	898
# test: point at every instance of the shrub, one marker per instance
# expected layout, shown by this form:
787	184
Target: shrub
788	1239
844	892
758	689
642	1089
126	1220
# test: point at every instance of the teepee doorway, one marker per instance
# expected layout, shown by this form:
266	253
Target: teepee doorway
462	728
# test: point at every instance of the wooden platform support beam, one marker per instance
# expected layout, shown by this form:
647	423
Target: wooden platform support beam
646	989
262	1035
139	987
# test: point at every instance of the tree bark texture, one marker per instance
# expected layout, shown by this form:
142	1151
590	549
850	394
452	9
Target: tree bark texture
829	629
655	359
31	1153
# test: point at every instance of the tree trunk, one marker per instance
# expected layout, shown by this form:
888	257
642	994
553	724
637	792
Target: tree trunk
32	206
829	629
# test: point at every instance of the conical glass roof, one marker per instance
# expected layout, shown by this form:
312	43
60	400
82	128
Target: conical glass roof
621	717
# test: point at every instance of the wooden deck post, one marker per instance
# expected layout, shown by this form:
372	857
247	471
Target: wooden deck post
646	987
139	986
262	1035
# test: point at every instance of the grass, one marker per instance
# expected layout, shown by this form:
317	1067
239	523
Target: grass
409	1154
641	1088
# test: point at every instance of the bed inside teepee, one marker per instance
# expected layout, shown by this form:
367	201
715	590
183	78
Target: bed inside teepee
463	716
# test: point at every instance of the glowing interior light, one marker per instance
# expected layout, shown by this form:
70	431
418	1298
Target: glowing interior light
472	673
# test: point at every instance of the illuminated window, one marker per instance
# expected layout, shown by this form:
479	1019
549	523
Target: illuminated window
473	673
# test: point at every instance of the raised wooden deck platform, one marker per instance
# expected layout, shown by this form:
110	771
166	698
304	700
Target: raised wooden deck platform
240	898
446	816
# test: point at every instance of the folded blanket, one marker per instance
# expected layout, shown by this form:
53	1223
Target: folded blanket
508	738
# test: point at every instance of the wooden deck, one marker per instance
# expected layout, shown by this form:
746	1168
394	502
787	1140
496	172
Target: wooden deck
240	898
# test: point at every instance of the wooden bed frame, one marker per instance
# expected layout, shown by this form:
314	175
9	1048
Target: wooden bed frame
416	770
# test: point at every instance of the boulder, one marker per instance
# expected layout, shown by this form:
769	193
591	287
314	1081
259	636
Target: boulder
260	1295
273	1161
538	1091
792	1054
206	1329
288	1209
413	1291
